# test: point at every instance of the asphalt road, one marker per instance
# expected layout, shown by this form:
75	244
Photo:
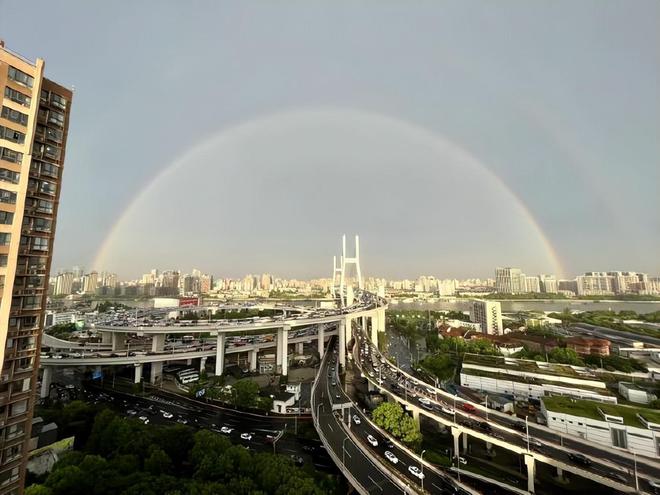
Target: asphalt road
365	472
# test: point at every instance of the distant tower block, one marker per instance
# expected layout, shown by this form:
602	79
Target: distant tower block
352	260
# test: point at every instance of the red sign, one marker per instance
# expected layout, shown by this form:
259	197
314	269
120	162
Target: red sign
188	301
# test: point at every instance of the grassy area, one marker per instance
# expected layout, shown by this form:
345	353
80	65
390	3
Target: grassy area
591	409
522	365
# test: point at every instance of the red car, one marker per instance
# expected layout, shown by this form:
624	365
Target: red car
469	407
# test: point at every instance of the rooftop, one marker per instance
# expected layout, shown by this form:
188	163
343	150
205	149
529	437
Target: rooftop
591	409
529	366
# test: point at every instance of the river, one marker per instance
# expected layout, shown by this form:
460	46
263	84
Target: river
539	305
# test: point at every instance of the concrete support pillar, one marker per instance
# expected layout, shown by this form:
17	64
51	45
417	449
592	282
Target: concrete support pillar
370	386
531	472
342	343
350	295
489	446
202	364
381	320
46	380
285	351
138	373
106	337
118	341
278	349
156	376
373	335
321	341
188	361
465	442
220	355
456	433
560	473
364	323
253	360
158	342
300	347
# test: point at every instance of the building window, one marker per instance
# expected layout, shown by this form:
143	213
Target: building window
6	217
619	438
40	244
7	197
11	155
56	118
54	134
14	115
5	238
58	101
20	77
12	135
3	259
42	225
50	151
17	96
43	98
9	176
47	188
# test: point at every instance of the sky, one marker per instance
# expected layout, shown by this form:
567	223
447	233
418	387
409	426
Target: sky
453	136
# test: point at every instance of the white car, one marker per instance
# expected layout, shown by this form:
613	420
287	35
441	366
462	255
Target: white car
246	436
144	419
415	471
425	401
356	419
447	409
462	460
168	415
372	441
226	430
391	457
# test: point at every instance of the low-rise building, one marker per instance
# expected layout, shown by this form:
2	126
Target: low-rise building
630	428
524	379
635	393
589	346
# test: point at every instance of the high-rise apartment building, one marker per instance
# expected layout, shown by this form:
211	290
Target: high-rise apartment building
34	119
489	316
64	284
509	280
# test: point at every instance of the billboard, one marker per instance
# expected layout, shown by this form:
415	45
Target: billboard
188	301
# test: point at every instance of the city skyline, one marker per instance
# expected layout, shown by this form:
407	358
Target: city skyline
473	122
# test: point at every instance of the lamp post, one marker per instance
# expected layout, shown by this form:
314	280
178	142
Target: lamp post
635	465
527	431
421	467
486	407
454	408
343	451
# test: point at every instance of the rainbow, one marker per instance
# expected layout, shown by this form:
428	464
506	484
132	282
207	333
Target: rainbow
278	119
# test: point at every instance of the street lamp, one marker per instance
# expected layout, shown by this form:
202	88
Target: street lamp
343	451
635	464
421	467
527	431
454	408
486	407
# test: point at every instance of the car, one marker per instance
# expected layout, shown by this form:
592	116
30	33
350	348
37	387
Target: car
334	383
579	458
246	436
167	415
144	419
446	409
391	457
182	421
520	426
372	441
462	460
485	426
356	419
337	396
424	401
131	412
388	443
297	460
226	430
415	471
468	407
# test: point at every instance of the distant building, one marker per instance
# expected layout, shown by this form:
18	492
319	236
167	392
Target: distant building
548	284
64	284
509	280
488	314
586	346
532	284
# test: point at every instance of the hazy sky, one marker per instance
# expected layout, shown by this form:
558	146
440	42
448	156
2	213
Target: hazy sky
442	112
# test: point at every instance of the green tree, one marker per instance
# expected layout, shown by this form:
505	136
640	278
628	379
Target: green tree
245	393
158	462
38	490
391	417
